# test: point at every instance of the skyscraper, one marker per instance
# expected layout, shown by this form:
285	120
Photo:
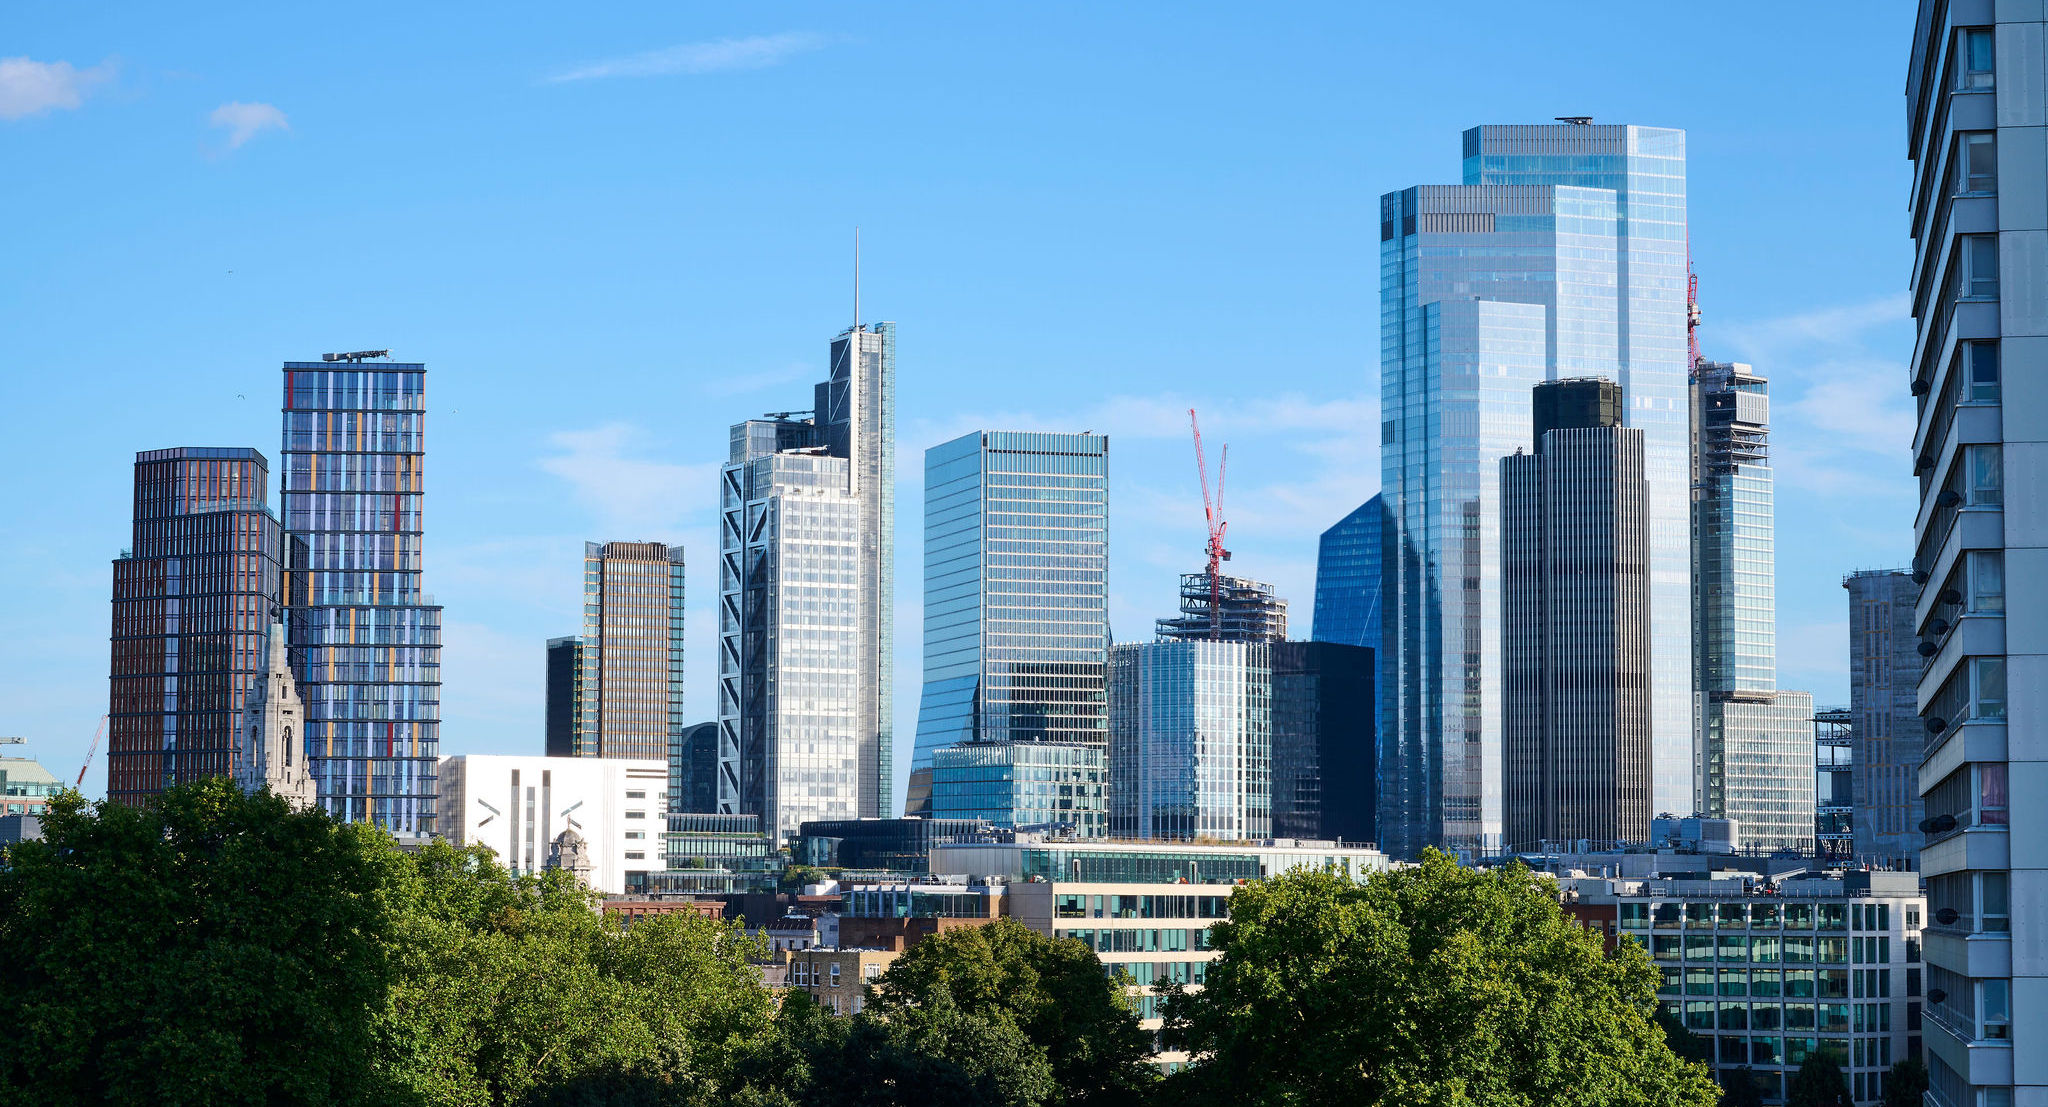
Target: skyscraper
1561	254
693	771
1324	769
617	691
1974	116
1753	748
1016	616
193	595
1190	736
1250	611
365	635
1884	714
1347	607
1575	623
806	576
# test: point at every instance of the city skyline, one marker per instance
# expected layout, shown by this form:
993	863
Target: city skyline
582	476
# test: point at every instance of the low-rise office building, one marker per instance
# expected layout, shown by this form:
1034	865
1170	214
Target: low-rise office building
518	806
838	978
1770	971
26	788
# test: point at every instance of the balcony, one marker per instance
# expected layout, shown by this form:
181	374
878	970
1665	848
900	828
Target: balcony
1971	848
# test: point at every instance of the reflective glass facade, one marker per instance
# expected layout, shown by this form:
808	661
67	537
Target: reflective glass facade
365	636
1191	742
1561	254
1016	624
1325	772
1013	784
806	583
1884	714
1766	768
1348	578
193	595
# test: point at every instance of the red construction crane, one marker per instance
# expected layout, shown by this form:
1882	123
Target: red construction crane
1212	512
1692	314
89	751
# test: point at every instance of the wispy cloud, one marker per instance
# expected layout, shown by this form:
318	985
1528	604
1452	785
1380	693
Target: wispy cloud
245	121
29	87
721	56
631	496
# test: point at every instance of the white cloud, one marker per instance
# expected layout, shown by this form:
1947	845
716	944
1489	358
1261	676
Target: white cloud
30	87
722	56
630	496
245	121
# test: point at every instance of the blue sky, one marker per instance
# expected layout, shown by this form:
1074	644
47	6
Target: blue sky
613	236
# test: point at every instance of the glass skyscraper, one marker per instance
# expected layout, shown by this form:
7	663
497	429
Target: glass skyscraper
1884	715
193	595
1753	747
1562	253
365	636
1016	618
1347	608
617	691
806	576
1191	740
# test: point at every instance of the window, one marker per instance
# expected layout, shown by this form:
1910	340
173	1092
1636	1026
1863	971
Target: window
871	972
636	814
636	856
835	974
1980	265
1979	161
1991	791
1989	674
1986	475
1997	1009
1995	889
635	835
1973	57
1987	582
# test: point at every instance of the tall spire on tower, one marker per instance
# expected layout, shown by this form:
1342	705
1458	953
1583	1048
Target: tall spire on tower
273	730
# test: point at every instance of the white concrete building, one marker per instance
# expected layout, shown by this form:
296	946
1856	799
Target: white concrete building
517	806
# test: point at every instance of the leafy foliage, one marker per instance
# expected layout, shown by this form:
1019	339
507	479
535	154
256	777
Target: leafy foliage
1818	1083
1435	986
1906	1084
1741	1089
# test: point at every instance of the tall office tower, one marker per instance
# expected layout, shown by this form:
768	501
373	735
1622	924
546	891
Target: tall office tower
618	690
1190	739
693	771
1753	758
1324	768
1834	766
1575	623
365	635
1562	254
564	710
1974	127
1347	605
806	578
1251	612
1884	715
1016	609
193	594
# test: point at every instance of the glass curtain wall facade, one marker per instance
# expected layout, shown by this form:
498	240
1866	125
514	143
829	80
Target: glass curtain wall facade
193	595
1191	744
564	710
806	583
365	635
1562	253
1884	715
1016	618
630	701
1348	590
1325	776
1975	133
1023	784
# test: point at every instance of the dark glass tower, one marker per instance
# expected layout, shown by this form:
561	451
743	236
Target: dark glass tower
366	638
1325	767
192	596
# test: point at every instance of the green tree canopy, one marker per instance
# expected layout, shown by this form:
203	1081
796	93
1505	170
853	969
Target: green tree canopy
207	947
1436	986
1906	1084
1818	1083
1741	1089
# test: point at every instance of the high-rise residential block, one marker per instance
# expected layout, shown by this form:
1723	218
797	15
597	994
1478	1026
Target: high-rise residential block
365	635
1575	624
1324	767
1016	618
1977	133
1753	758
617	691
806	581
1190	739
193	595
1562	254
1884	715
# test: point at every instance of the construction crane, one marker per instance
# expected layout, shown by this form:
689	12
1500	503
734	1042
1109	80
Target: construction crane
1692	314
89	751
1212	513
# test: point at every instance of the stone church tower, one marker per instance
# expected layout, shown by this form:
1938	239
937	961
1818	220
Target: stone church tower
273	729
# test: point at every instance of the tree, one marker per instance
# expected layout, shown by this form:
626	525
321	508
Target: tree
1683	1041
1906	1084
1433	986
206	947
1052	991
1818	1083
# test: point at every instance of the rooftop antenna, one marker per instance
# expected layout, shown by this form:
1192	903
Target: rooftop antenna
856	277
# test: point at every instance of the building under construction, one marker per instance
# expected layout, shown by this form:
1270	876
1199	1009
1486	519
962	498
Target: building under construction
1250	611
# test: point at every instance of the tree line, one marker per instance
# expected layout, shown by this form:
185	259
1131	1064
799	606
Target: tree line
215	948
